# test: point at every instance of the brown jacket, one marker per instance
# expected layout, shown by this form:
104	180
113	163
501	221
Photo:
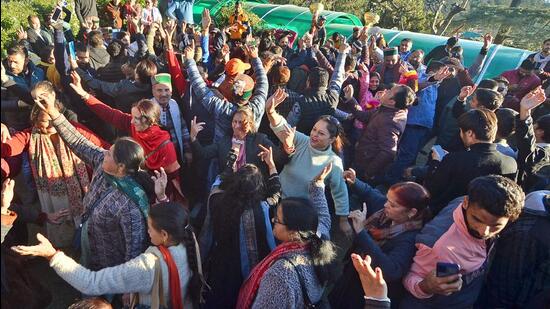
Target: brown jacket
377	146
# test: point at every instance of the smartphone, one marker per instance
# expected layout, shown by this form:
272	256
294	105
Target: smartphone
72	51
446	269
439	150
56	14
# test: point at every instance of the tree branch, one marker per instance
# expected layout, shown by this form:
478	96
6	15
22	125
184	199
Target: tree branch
457	9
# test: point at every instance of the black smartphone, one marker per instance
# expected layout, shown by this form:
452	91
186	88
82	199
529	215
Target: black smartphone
56	14
446	269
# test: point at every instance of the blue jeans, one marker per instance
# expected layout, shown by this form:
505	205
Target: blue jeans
413	139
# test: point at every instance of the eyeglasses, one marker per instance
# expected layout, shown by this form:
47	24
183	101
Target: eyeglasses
274	220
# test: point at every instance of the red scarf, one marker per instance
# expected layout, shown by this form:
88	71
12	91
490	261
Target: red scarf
176	299
151	139
250	287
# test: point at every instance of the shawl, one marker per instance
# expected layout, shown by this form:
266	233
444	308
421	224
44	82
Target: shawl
381	229
540	61
250	287
176	300
132	190
58	171
150	139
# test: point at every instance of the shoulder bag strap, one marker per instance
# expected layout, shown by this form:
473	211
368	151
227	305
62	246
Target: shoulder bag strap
307	301
157	149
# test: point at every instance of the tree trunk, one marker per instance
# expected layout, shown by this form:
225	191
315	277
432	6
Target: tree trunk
449	18
436	17
504	30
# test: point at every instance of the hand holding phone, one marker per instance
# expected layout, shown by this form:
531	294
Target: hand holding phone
444	280
438	153
56	14
446	269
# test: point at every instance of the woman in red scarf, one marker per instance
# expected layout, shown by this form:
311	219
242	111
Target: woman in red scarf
143	126
295	273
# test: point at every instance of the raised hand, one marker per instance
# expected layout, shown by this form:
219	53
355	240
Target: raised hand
344	48
196	127
320	178
21	34
266	154
251	51
358	218
287	138
275	100
531	101
348	92
372	281
161	181
170	28
350	176
487	40
206	19
466	91
43	249
5	133
46	102
77	85
442	73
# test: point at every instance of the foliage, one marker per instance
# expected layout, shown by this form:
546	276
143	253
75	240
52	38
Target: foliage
529	25
222	18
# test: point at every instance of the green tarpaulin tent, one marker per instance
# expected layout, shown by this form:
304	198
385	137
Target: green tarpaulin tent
499	59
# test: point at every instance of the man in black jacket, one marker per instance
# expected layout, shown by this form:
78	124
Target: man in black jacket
533	143
449	176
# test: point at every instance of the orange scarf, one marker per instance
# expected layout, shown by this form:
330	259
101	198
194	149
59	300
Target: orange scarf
176	300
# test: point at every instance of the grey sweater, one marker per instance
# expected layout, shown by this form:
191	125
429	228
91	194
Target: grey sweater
280	286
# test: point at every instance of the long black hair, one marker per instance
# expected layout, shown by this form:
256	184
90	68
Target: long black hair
174	219
300	216
243	190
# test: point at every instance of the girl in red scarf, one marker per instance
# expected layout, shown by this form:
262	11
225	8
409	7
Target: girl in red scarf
143	126
174	256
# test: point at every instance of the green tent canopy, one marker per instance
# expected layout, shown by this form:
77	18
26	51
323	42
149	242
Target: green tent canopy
499	58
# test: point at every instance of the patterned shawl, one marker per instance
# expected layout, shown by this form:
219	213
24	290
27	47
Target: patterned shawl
58	171
381	229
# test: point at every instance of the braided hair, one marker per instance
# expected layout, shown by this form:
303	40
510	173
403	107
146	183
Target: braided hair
301	216
174	219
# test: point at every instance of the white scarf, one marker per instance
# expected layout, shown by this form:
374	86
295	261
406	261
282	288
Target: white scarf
540	61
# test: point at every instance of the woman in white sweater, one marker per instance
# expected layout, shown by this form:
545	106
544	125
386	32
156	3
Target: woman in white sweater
174	253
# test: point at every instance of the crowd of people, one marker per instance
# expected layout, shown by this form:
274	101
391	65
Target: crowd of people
178	163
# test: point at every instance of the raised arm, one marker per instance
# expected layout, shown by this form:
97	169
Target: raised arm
118	119
338	75
319	200
259	96
84	149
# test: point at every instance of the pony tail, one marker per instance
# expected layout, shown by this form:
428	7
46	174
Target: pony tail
323	255
197	283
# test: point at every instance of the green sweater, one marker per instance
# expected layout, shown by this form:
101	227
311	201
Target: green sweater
306	163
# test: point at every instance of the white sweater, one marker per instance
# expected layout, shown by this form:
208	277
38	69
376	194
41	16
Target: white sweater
134	276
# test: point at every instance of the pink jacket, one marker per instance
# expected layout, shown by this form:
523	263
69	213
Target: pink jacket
455	245
366	100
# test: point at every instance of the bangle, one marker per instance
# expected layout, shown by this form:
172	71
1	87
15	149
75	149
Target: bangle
165	199
376	298
51	257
